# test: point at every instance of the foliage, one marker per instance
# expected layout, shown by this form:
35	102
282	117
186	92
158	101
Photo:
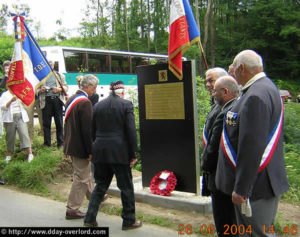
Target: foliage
6	48
292	150
271	27
292	123
204	104
292	86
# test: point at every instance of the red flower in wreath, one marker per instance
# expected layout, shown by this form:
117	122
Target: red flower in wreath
163	183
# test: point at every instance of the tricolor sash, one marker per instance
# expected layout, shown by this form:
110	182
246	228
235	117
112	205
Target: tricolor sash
204	137
273	138
76	99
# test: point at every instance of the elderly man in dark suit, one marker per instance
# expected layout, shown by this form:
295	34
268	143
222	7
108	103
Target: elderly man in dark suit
211	76
114	152
78	144
225	91
251	165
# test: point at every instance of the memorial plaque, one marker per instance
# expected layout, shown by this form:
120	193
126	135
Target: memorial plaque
169	125
164	101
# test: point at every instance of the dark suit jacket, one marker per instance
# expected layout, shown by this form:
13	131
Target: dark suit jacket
114	131
210	119
94	98
77	130
257	112
211	151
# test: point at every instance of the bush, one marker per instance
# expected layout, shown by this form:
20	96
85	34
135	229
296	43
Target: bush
292	150
203	104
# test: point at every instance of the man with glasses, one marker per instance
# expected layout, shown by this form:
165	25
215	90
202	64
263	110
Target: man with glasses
225	91
211	76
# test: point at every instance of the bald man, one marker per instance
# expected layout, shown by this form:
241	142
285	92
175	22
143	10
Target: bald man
225	91
251	165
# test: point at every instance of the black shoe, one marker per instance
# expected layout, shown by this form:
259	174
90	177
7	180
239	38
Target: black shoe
91	224
135	225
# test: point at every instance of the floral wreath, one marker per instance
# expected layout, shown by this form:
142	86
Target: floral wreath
163	183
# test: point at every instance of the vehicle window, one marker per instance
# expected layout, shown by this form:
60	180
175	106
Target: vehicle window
154	61
98	62
75	61
120	64
138	61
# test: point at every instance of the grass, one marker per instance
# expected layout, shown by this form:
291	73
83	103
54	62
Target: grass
33	176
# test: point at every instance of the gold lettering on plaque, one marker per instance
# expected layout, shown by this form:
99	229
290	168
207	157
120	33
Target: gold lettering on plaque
164	101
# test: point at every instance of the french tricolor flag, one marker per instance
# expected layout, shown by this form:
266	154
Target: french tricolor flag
28	66
183	33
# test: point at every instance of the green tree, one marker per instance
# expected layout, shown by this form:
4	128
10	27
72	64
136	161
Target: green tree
160	21
4	14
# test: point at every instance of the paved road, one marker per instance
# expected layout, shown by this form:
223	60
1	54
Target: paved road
24	210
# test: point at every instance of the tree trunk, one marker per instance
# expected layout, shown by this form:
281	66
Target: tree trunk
206	23
201	63
149	24
126	23
212	38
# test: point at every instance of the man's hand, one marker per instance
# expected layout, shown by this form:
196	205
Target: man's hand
132	162
56	90
238	199
14	98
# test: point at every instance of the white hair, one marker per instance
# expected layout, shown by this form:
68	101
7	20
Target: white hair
250	59
218	70
88	80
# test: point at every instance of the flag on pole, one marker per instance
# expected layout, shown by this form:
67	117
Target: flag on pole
183	33
28	66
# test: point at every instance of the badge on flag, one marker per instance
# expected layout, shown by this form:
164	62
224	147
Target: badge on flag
183	33
28	66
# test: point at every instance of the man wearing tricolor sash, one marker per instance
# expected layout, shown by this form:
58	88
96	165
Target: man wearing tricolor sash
78	144
211	76
251	165
225	91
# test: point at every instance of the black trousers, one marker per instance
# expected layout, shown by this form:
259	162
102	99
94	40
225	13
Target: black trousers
53	107
223	212
103	176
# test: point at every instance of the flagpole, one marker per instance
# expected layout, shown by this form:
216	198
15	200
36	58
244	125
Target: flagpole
202	54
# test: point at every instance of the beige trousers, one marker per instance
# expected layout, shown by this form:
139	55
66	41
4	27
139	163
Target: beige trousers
82	185
30	111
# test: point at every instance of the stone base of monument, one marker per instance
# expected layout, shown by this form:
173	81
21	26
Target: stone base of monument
177	200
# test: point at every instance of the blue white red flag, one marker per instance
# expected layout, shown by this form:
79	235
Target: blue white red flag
183	33
28	66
